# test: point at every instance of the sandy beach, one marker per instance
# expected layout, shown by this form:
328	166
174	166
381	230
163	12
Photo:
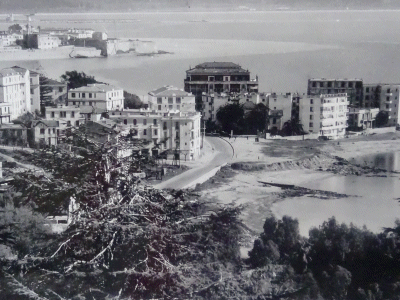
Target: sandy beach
287	162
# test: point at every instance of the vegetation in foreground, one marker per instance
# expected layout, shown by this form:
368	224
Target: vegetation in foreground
130	242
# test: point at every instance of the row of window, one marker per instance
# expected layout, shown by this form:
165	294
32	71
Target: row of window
331	84
170	100
63	114
83	95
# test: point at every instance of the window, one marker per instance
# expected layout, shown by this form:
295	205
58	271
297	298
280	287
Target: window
274	121
90	103
178	99
125	121
68	123
72	114
155	132
73	103
54	130
144	121
31	91
387	98
60	89
90	95
83	95
159	100
134	122
311	109
177	125
144	131
388	90
170	100
155	121
170	107
49	130
52	114
42	130
311	117
72	95
367	90
159	107
311	101
311	124
77	123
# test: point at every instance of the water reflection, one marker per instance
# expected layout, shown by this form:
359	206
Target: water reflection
388	161
373	202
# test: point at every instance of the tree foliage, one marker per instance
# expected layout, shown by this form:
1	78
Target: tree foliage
45	94
382	119
75	79
132	101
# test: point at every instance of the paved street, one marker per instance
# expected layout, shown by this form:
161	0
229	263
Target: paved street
223	154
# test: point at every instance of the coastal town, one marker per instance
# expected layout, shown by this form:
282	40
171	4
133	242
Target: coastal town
218	187
33	42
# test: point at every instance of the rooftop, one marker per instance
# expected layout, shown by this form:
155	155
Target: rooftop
8	72
48	123
169	90
52	82
96	88
335	79
217	67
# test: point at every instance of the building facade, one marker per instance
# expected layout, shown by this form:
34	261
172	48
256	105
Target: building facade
219	77
69	114
362	118
280	110
324	114
48	132
171	98
352	87
42	41
14	93
177	131
386	98
102	96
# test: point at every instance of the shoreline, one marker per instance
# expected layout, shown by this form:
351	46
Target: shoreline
243	187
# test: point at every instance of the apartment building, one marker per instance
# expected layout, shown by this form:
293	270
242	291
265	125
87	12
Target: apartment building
361	118
69	114
14	93
324	114
212	102
219	77
102	96
352	87
171	98
280	110
166	130
386	98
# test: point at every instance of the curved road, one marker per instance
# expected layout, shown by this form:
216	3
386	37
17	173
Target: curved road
223	154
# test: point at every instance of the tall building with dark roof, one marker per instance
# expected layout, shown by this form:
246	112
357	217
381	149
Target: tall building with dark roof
218	77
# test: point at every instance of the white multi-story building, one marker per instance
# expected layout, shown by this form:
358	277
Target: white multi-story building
213	102
280	110
69	114
166	130
171	98
324	114
14	93
102	96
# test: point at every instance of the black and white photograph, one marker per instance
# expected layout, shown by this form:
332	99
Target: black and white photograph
198	149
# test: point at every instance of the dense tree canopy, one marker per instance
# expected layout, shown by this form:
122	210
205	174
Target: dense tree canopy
75	79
